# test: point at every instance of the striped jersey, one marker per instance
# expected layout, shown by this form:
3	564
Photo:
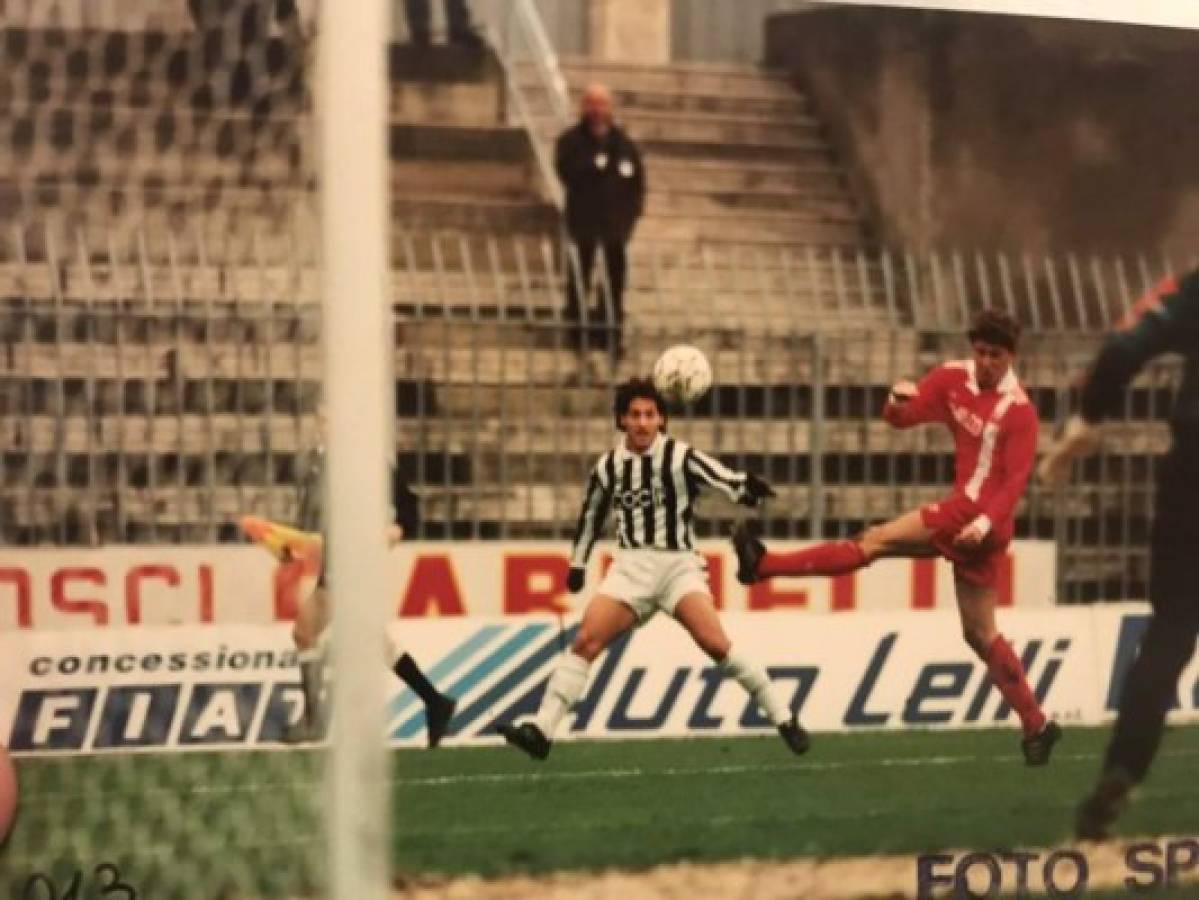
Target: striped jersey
994	435
651	495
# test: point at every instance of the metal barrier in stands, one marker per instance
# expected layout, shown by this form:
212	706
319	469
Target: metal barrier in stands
536	88
155	385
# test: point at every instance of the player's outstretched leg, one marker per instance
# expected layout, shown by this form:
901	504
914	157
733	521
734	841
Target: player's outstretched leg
1149	689
604	620
697	613
439	707
563	691
758	685
312	681
749	550
755	562
1099	810
976	598
1038	747
311	618
1007	674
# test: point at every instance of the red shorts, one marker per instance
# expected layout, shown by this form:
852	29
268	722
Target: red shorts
949	516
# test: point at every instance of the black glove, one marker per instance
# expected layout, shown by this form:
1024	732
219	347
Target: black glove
756	490
576	579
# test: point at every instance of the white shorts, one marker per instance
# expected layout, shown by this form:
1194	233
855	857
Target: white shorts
650	580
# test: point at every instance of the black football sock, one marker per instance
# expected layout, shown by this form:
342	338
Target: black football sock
311	675
409	672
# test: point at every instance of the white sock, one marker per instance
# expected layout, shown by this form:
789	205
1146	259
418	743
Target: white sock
758	685
562	693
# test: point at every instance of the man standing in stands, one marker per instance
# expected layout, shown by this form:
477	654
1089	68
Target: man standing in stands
601	171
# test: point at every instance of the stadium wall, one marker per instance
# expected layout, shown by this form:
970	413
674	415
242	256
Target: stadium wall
67	590
1011	133
235	686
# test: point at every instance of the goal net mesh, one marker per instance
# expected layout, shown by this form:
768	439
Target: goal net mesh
161	377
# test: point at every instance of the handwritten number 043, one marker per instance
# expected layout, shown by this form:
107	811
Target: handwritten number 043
40	887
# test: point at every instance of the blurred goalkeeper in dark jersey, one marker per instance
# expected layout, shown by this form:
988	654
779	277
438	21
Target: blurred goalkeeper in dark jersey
1164	321
312	616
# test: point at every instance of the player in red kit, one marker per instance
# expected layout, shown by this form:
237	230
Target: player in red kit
994	428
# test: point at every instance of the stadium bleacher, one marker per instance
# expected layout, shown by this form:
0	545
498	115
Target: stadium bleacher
160	365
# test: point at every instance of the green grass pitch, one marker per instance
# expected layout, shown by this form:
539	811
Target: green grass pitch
225	818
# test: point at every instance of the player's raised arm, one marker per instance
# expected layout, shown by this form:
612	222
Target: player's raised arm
1163	321
596	502
740	487
916	404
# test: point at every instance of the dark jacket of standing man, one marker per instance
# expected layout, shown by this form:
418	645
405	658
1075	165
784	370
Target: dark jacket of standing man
604	178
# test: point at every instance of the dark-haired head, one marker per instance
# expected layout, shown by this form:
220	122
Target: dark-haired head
639	411
636	388
994	337
994	326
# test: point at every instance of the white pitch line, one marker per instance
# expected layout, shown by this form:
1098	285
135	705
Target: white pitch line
597	774
616	774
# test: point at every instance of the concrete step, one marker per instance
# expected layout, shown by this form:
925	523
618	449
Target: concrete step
218	236
68	127
669	172
170	433
237	138
576	437
230	239
222	258
25	93
467	176
553	504
111	340
173	166
570	440
768	102
713	79
760	228
704	200
545	510
755	273
461	143
269	202
453	103
495	213
790	132
681	152
159	173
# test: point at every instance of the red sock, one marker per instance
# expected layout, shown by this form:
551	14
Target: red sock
1008	675
833	558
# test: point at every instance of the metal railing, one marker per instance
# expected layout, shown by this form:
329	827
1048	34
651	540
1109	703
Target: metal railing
537	93
152	390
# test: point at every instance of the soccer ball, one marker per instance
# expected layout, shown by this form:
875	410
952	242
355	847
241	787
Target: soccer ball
682	374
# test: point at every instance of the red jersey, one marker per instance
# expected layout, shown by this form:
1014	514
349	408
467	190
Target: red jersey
994	434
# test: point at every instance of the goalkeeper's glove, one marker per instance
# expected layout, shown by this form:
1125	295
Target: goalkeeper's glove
756	490
576	579
1079	439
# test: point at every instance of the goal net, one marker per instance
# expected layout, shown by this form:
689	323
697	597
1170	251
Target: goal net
163	368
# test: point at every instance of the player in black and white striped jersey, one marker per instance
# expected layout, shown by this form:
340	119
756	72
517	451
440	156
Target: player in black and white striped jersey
651	481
